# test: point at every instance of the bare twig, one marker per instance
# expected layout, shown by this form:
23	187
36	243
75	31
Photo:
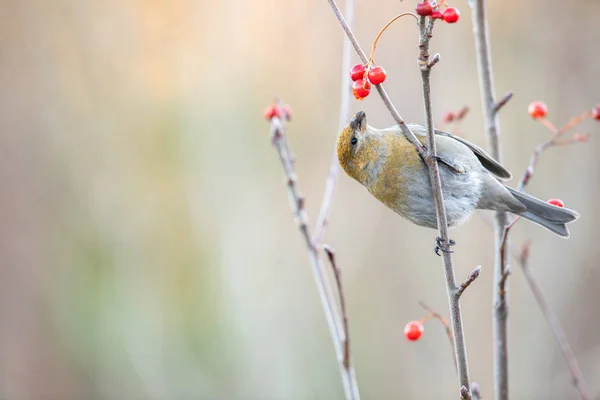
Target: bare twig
434	60
384	96
338	280
555	327
470	279
447	327
460	115
500	325
555	140
334	168
325	293
460	349
505	99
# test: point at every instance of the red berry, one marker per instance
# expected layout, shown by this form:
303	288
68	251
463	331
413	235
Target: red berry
271	112
449	117
451	15
413	330
556	202
437	15
376	75
357	72
596	113
361	88
424	9
537	109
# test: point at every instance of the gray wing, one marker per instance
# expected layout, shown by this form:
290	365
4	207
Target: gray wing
484	158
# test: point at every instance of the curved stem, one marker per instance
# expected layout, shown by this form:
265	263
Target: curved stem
397	17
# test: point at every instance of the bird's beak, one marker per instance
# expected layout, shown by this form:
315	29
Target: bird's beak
358	123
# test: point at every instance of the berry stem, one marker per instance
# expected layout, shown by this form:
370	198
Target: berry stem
447	328
383	30
573	122
551	127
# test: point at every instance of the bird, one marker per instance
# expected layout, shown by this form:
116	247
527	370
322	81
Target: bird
392	170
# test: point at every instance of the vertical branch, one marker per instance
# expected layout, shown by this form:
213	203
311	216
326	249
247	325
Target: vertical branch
325	293
500	322
334	168
434	174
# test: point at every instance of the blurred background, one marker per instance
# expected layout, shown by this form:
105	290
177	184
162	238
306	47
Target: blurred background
147	247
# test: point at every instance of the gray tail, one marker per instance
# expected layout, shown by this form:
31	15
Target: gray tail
550	217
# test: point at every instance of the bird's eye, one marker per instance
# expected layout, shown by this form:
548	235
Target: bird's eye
353	141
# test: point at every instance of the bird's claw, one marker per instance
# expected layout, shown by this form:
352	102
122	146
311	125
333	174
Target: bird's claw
445	247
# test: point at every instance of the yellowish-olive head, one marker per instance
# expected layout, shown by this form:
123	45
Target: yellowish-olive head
349	144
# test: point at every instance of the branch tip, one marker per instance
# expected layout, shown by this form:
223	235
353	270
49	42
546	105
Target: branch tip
470	279
505	99
330	253
434	60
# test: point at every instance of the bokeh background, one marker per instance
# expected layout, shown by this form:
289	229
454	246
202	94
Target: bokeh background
147	248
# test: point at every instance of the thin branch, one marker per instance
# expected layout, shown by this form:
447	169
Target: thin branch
467	282
447	328
555	327
503	255
384	96
338	279
555	140
436	184
505	99
486	83
325	293
334	168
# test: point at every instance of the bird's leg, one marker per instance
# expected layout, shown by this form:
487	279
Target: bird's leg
443	246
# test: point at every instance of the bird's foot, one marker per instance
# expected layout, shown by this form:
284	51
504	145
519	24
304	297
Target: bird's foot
443	246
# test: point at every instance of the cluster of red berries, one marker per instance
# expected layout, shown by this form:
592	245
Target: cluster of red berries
276	110
363	76
450	14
